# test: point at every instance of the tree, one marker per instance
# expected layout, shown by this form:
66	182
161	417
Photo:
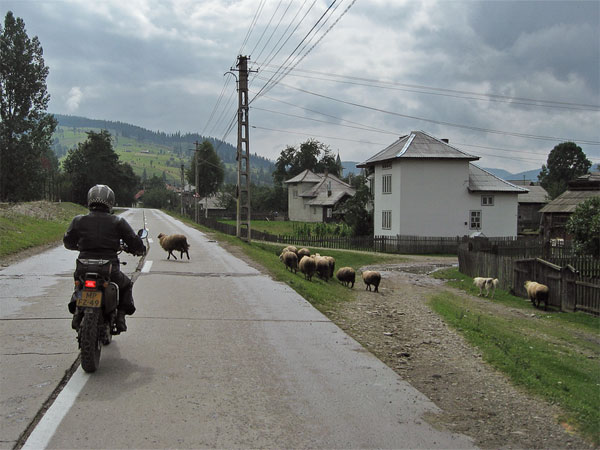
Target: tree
584	225
354	210
94	161
312	155
210	170
25	129
565	162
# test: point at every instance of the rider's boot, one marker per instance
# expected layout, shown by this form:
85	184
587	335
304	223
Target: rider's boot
120	321
77	318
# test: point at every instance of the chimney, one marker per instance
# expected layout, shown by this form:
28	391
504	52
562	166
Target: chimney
446	140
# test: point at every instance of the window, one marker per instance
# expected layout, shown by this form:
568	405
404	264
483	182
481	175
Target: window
487	200
386	184
386	220
386	165
329	213
313	209
295	193
475	220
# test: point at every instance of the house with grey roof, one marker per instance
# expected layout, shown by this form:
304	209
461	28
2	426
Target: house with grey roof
423	186
312	197
530	203
556	214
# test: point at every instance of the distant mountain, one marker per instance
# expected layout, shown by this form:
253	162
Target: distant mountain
505	175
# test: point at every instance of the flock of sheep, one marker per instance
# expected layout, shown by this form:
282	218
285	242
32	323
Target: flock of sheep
324	267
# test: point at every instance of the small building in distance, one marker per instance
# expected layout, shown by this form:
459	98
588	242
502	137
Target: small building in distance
530	203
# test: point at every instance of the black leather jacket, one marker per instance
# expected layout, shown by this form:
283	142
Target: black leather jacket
98	233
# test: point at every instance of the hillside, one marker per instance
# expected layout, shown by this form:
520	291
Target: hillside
154	152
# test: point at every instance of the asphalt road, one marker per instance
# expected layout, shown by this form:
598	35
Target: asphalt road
217	355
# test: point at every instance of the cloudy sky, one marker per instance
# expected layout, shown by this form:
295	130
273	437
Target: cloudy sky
504	80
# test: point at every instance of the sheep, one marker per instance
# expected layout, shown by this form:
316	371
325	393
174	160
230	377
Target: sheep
487	284
303	252
331	261
323	267
346	275
537	293
371	277
307	266
290	248
290	260
174	242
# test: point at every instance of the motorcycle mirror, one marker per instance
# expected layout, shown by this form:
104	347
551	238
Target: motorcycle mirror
143	233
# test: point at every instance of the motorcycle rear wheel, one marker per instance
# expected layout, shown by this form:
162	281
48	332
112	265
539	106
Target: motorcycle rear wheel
89	343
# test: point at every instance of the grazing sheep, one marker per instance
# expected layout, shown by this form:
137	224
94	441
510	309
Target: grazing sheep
290	260
290	248
174	242
346	275
371	277
303	252
323	267
537	293
308	267
487	284
331	261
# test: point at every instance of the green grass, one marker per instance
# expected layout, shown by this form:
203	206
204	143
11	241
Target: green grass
276	227
551	354
20	231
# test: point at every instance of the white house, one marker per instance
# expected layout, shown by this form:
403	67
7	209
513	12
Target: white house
312	197
423	186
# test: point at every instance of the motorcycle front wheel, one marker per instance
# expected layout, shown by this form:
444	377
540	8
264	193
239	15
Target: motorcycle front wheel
89	343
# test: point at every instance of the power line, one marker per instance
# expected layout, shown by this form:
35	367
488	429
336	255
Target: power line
440	122
453	91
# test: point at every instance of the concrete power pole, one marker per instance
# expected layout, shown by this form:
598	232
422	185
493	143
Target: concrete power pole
182	188
243	153
196	196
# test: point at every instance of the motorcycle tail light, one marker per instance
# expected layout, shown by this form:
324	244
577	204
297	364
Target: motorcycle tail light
90	284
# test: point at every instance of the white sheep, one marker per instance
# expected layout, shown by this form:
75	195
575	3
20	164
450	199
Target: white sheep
371	277
537	293
307	266
174	242
487	284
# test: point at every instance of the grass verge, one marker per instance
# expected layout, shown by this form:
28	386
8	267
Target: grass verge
551	354
28	225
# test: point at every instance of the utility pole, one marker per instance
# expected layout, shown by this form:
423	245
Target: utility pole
182	188
243	152
196	196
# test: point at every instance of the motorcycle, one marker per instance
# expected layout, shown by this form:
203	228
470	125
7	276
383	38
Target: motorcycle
96	299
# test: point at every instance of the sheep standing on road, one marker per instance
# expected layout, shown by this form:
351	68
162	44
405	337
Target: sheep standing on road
346	275
290	260
174	243
537	293
371	277
487	284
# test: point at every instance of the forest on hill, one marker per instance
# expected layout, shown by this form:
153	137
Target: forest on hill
171	149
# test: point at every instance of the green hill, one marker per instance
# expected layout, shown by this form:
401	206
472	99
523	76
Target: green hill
154	153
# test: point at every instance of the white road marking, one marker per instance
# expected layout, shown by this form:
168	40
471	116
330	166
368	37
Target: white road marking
150	240
147	266
45	429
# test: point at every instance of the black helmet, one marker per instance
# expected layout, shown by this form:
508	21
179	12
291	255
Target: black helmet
101	194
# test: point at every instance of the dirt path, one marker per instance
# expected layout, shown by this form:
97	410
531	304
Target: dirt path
400	329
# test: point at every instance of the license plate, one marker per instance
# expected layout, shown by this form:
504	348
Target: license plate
90	299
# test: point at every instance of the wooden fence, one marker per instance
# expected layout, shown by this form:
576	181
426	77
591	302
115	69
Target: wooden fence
515	262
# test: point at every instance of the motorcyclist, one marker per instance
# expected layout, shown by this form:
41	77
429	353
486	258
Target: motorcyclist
97	235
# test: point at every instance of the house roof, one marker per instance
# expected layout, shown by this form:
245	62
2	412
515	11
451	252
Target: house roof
481	180
327	189
580	189
418	145
306	176
213	202
536	194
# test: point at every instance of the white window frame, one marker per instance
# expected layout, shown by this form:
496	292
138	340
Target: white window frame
475	214
295	193
487	200
329	213
386	165
386	184
386	220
